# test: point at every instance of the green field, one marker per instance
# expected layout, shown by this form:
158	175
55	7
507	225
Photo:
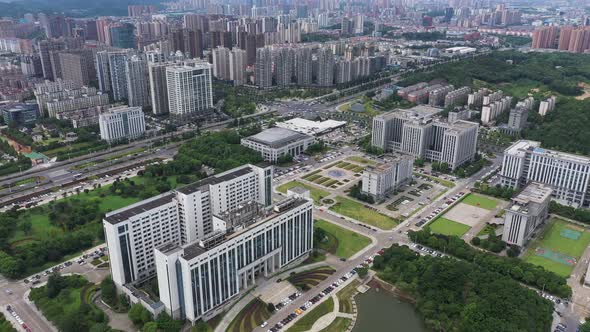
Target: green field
356	210
551	239
341	242
448	227
316	194
41	226
480	201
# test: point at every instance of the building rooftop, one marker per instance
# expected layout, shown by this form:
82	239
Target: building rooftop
534	192
419	112
125	213
277	137
309	127
195	249
521	147
215	179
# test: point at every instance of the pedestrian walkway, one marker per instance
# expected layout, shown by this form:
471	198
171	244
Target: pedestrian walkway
229	316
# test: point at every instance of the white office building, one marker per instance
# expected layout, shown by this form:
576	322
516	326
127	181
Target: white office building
182	216
526	212
415	132
189	89
198	280
207	242
387	176
276	142
568	175
120	123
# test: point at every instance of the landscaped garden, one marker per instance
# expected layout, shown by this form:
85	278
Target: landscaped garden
558	247
65	301
345	297
254	313
306	322
310	278
339	241
362	160
316	194
448	227
358	211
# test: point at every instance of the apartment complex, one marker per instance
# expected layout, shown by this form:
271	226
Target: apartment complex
276	142
568	175
121	123
416	132
189	88
388	176
526	212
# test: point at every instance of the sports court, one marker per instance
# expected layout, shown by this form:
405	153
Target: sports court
559	247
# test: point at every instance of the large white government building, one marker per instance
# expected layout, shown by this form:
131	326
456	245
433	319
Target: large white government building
416	132
568	175
276	142
206	241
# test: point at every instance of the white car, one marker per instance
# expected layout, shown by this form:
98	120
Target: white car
264	324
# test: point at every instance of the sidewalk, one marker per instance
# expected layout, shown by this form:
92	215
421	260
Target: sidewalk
229	316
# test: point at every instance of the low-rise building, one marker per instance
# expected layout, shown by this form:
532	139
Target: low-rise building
121	123
274	143
20	114
388	176
526	212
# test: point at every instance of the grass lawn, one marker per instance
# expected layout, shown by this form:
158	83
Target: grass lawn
342	242
443	182
345	297
338	325
316	194
480	201
5	325
356	210
551	239
310	278
306	322
362	160
253	314
448	227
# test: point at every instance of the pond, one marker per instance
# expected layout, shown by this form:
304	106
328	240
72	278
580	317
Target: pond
380	311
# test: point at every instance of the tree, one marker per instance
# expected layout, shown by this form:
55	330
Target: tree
362	272
150	327
419	162
108	291
284	159
586	326
26	227
138	315
200	326
55	284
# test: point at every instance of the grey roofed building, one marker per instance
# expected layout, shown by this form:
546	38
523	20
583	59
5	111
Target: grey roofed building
277	137
275	142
